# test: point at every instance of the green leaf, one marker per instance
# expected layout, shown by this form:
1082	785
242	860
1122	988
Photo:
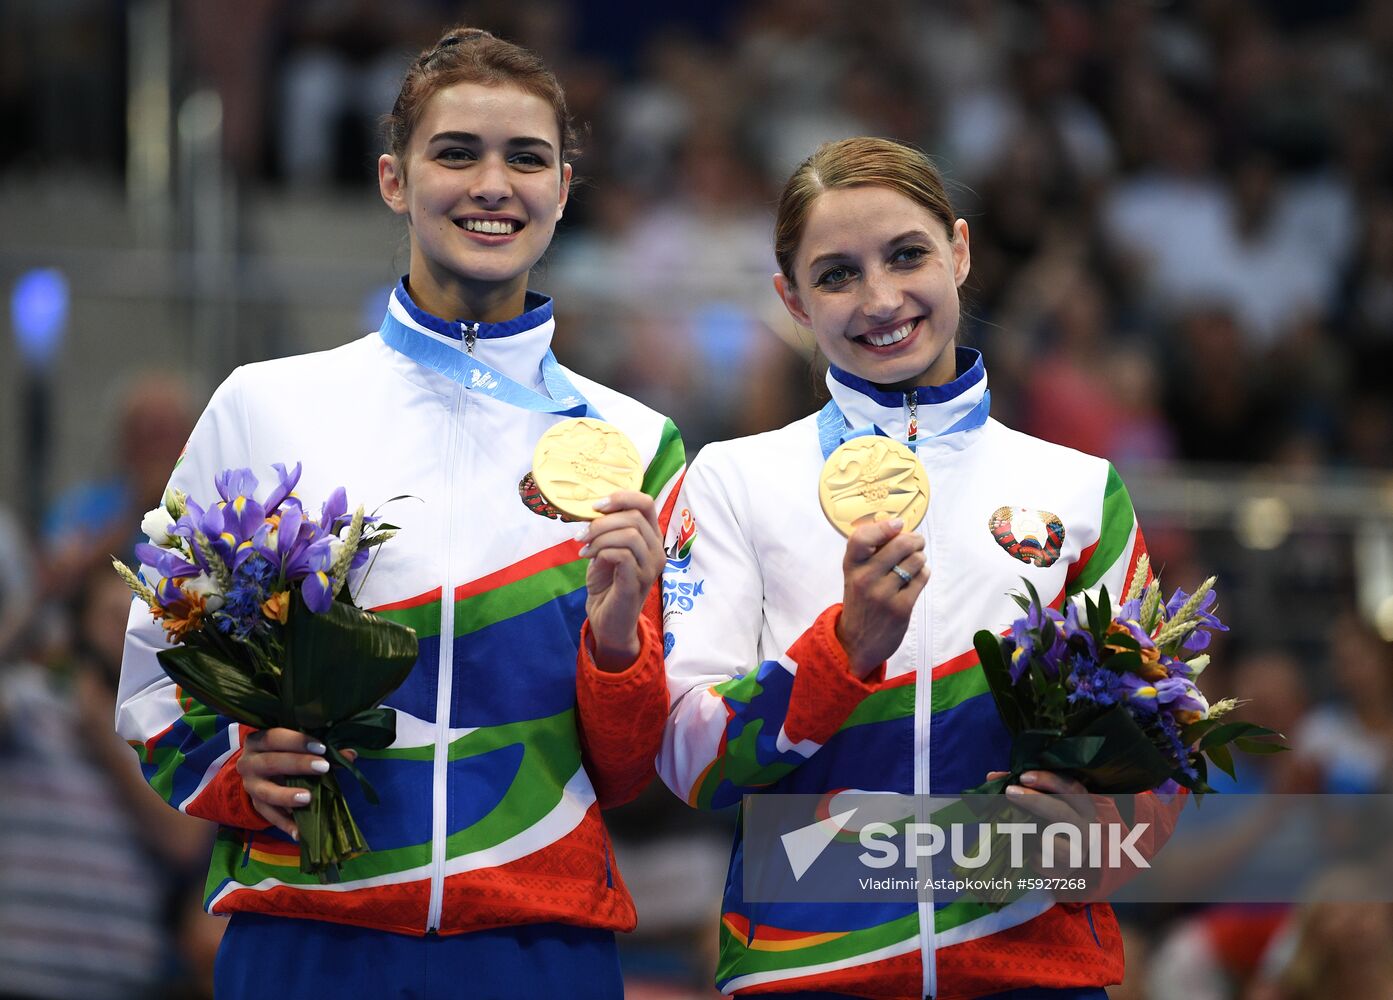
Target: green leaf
1034	594
1227	732
1128	662
1222	759
1008	705
1021	600
1191	734
1258	746
222	686
1104	607
341	662
1110	754
374	729
1096	623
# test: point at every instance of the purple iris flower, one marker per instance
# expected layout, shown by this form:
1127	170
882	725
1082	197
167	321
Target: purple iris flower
169	564
317	588
335	510
1138	692
1179	694
296	537
168	593
234	483
1019	646
286	484
242	517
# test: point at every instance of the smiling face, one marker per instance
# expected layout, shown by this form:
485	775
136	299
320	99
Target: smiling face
481	184
875	278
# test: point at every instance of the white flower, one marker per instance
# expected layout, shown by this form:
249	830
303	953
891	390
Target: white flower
207	588
156	524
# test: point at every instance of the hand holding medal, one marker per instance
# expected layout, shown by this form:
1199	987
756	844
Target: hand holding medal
874	490
590	470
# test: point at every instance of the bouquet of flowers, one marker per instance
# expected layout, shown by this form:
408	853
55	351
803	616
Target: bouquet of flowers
268	635
1109	697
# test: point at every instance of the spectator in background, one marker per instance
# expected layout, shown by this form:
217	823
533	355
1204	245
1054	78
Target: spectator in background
100	518
343	66
16	585
1332	947
91	862
1351	740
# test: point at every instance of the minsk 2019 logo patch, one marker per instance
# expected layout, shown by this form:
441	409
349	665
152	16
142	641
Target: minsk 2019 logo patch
679	595
1032	536
538	504
679	553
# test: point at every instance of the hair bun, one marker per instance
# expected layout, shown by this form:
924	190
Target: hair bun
465	35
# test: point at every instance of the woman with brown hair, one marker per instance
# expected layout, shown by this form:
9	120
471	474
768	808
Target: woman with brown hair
538	697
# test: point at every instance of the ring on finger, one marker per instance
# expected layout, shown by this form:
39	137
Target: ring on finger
906	577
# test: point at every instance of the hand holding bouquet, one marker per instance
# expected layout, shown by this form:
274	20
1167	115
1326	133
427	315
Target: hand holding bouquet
1110	698
254	594
1106	699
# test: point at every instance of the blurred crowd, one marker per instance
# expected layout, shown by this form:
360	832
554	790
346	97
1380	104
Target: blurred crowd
1181	224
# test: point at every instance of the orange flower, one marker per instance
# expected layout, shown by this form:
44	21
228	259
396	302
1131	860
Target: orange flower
277	607
181	617
1151	668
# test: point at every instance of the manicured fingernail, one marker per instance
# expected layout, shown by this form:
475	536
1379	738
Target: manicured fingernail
295	835
302	798
1029	778
583	533
895	524
1014	790
314	746
584	551
602	504
321	765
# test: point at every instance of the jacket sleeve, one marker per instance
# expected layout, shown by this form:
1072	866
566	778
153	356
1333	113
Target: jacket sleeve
621	715
1111	558
188	753
738	722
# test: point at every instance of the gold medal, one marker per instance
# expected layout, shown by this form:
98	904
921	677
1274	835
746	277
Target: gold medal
581	460
873	478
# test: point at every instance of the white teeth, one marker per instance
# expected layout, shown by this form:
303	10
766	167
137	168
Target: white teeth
495	227
893	337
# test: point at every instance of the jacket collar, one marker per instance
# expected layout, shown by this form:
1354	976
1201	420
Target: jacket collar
515	346
940	407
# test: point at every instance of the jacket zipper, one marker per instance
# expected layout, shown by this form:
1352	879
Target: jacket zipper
446	661
923	717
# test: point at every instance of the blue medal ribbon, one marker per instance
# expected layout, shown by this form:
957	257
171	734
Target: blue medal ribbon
478	376
833	429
